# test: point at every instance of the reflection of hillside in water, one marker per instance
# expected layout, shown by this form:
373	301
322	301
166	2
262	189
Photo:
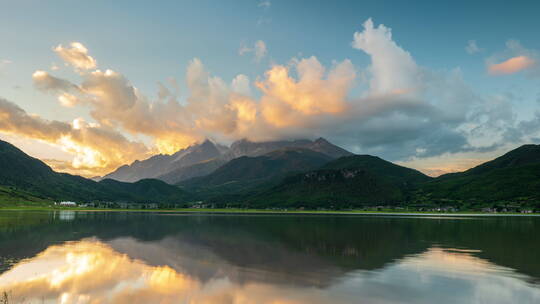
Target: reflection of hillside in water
301	250
91	271
304	250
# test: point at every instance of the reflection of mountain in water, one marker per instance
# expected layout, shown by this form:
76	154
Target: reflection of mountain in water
90	271
305	250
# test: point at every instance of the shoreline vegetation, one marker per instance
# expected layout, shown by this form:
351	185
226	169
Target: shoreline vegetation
268	211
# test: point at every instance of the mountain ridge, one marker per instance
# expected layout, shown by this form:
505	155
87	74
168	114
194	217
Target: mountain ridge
267	166
194	160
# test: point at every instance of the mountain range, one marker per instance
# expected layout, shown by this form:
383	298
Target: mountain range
300	173
203	158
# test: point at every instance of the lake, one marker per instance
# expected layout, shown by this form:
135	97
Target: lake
119	257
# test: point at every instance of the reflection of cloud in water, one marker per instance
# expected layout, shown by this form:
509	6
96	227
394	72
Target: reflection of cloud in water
93	272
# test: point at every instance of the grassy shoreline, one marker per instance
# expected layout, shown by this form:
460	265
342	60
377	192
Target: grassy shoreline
264	211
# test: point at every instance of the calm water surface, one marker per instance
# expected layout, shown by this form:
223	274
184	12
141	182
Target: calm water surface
98	257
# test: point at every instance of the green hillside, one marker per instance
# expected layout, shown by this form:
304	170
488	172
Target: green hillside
349	181
396	174
245	172
145	190
515	177
9	196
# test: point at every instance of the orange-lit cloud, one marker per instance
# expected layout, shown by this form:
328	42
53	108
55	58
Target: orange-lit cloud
313	93
96	149
46	82
92	272
76	55
511	66
214	108
117	104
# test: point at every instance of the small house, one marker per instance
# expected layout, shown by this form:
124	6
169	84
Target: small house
68	204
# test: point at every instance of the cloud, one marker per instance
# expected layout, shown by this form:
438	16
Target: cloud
16	120
472	47
241	85
244	49
259	50
67	92
116	104
96	149
265	4
397	109
408	110
511	66
68	100
515	58
213	108
76	55
48	83
393	69
316	101
288	102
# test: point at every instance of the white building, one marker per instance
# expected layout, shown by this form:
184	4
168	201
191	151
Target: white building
67	204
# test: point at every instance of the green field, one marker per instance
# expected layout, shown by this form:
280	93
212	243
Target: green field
47	207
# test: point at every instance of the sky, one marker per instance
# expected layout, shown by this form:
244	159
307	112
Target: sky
440	87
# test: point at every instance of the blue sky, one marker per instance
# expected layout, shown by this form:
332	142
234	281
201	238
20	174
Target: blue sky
149	43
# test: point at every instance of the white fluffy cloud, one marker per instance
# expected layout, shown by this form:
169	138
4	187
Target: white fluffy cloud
393	69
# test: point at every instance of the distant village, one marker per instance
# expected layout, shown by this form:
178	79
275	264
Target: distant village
504	208
111	205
